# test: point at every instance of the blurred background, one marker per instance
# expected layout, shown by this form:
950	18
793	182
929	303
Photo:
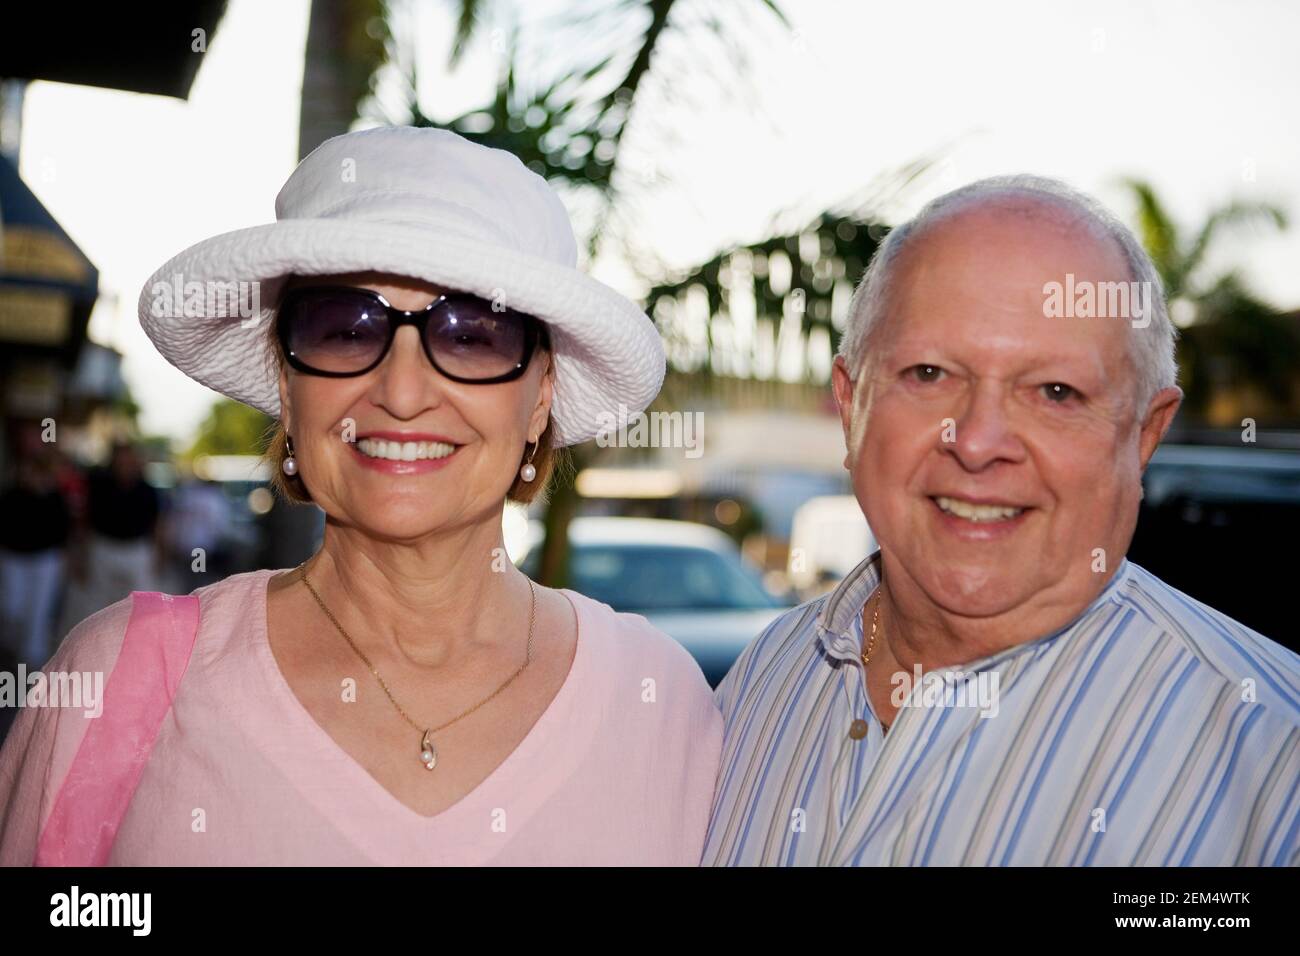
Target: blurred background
730	164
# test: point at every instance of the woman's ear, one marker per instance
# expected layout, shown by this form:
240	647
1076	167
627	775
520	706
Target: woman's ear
284	398
545	395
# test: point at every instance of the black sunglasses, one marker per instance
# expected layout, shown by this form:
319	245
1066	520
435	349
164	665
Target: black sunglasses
341	332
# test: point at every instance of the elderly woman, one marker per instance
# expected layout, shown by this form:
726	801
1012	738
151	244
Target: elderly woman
406	696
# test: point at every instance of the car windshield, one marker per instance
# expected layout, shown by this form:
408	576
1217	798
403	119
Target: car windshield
648	578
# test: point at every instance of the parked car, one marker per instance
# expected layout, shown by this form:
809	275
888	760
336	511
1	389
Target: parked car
1218	522
689	580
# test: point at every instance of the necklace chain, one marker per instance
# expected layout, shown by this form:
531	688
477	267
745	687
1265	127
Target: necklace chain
875	623
427	747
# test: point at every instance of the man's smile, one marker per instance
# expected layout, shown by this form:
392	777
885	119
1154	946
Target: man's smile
975	511
979	520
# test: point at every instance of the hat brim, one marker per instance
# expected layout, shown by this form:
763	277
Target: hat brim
609	358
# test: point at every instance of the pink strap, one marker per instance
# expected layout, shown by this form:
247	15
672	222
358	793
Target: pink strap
138	693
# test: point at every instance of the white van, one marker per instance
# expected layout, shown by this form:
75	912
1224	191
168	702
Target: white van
828	538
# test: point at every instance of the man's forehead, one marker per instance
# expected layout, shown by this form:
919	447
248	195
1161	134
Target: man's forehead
983	275
1015	222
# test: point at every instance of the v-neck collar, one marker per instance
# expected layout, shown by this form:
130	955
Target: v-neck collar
315	755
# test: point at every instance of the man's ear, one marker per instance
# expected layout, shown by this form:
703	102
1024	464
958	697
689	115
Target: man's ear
1159	416
842	386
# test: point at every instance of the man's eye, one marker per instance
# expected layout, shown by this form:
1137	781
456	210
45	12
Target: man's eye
1059	392
926	373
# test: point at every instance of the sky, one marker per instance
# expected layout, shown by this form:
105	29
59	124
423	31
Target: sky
1197	97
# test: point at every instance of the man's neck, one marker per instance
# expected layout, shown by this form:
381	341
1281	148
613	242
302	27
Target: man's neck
920	632
913	633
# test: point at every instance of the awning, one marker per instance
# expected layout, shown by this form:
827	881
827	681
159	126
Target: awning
47	285
116	46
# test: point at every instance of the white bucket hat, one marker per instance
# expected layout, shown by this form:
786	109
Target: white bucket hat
423	203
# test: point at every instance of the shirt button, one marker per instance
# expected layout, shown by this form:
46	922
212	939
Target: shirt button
858	729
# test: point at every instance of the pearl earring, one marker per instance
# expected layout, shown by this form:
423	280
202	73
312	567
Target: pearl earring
289	465
528	472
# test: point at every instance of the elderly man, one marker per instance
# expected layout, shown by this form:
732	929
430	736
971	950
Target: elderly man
999	684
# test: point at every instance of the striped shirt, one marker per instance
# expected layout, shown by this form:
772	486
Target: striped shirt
1152	730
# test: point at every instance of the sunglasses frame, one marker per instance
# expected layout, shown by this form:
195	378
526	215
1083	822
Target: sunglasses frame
533	333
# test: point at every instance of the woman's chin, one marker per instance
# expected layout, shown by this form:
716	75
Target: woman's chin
403	524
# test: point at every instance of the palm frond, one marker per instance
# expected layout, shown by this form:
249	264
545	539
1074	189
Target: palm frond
466	20
1159	235
1236	213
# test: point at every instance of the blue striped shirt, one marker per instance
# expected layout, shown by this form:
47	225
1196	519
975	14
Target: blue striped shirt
1153	730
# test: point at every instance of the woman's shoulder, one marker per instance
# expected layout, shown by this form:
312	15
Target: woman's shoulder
627	643
238	595
95	643
653	702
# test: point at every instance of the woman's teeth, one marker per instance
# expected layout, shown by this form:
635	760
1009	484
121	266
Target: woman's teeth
403	450
974	512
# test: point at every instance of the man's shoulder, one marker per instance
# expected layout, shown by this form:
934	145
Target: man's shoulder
1238	653
794	627
778	647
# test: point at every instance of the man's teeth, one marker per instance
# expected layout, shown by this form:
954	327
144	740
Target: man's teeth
974	512
403	450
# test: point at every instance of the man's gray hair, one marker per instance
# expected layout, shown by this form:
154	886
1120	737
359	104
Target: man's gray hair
1152	351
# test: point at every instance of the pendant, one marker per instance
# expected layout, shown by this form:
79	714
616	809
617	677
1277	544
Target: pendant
428	754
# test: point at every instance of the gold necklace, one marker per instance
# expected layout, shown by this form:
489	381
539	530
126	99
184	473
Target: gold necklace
871	644
428	753
875	623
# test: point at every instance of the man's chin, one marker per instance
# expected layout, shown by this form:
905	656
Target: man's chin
975	591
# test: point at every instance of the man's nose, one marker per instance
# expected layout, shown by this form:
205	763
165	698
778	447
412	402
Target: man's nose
984	432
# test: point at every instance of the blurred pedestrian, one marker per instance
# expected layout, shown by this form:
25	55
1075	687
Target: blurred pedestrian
34	527
118	546
194	532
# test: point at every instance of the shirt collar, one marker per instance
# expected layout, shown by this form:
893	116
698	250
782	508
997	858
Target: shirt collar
835	621
841	613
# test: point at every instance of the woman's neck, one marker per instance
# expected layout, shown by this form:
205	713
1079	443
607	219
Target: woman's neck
428	601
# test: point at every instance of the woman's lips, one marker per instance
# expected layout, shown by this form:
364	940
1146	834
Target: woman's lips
391	467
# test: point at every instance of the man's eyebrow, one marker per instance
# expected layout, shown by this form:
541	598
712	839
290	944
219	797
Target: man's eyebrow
1072	363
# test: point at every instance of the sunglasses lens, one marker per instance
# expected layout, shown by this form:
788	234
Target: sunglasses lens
335	331
471	341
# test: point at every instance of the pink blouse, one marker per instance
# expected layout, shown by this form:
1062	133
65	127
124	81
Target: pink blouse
619	769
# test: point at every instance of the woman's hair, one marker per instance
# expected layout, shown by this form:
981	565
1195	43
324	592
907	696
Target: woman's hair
292	488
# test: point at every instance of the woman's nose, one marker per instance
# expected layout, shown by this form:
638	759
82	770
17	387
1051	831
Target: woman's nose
406	382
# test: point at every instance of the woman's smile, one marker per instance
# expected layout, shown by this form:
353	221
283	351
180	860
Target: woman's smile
404	455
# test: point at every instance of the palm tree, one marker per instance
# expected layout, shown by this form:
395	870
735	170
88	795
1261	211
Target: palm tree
346	41
1231	337
568	127
568	123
